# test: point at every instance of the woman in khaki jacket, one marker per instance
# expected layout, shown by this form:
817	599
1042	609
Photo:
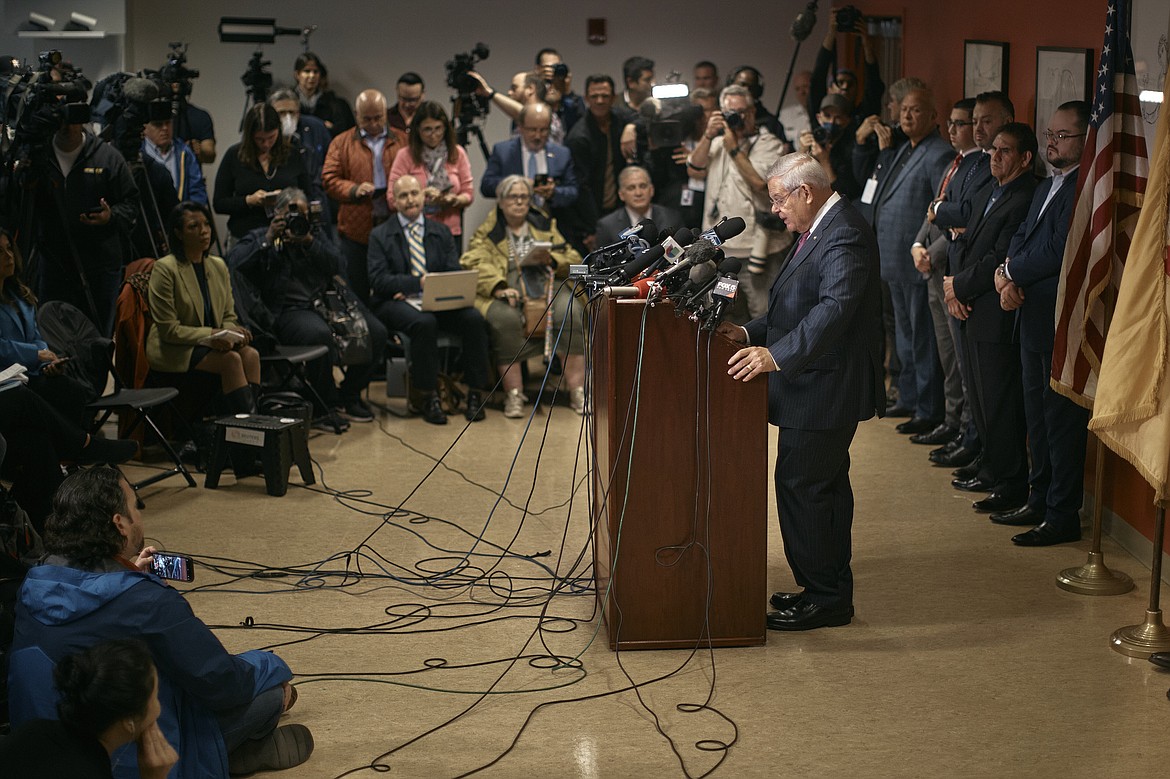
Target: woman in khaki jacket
190	303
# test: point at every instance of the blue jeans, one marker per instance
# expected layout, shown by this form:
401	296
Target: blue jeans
252	720
920	382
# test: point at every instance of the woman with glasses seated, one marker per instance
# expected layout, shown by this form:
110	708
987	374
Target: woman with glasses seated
511	268
441	166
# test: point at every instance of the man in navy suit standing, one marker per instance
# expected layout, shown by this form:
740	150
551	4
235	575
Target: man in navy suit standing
1028	281
903	185
821	343
403	251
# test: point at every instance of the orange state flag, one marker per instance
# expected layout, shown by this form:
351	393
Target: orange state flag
1131	414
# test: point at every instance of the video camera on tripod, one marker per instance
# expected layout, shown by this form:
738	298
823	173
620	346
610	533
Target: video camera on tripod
176	72
467	107
34	104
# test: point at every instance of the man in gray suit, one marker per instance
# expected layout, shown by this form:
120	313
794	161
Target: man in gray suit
821	344
635	191
896	197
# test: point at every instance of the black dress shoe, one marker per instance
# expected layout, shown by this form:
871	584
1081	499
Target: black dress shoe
432	410
474	412
999	501
808	616
968	470
785	600
897	412
940	435
946	448
974	484
1161	659
1046	534
956	458
915	425
1024	515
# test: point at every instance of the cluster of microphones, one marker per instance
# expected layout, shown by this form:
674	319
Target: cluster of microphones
687	269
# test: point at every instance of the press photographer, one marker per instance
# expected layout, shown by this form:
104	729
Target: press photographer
831	143
77	202
288	272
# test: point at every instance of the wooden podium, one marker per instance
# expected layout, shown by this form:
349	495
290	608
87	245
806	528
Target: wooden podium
680	529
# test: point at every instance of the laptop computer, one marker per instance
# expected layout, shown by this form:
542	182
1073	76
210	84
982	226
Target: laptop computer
447	290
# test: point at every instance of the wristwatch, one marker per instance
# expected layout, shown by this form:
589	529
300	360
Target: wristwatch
734	151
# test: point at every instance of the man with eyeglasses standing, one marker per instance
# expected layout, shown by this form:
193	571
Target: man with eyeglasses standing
733	156
1027	281
930	258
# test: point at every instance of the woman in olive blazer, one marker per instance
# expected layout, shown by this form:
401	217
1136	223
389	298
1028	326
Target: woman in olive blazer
190	300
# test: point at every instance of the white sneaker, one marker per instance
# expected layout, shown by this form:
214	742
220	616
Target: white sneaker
514	404
577	399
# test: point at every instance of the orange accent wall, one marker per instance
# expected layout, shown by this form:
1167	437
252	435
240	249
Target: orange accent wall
932	49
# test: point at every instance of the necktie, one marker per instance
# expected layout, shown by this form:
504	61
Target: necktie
418	255
950	173
800	243
532	171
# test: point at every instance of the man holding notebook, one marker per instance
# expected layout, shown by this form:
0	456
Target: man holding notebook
404	251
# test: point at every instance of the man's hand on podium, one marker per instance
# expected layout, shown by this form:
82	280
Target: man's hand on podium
732	332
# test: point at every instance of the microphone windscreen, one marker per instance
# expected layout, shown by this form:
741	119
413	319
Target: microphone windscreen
701	274
684	237
730	228
642	261
730	266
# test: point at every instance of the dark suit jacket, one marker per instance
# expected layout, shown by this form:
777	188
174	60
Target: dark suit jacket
931	234
509	157
587	144
389	258
609	227
824	329
1036	254
981	249
900	203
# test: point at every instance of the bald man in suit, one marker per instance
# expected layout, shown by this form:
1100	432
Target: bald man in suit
821	345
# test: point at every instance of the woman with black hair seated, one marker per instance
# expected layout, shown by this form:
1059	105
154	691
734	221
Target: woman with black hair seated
21	342
109	698
254	171
195	326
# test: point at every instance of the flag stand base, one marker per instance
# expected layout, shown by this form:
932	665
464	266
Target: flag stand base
1142	640
1094	578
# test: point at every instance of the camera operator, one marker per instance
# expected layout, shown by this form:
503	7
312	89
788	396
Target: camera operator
733	155
559	93
527	88
847	21
85	205
830	143
290	267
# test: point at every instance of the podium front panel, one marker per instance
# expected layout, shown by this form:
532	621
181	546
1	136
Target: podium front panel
680	528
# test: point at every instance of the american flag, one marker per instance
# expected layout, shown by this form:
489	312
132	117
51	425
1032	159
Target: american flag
1110	185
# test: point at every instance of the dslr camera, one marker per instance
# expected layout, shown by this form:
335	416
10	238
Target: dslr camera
298	224
847	18
733	119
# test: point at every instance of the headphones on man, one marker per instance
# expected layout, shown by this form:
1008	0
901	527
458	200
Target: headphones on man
756	89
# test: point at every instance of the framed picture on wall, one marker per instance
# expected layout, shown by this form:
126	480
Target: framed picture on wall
1061	75
985	67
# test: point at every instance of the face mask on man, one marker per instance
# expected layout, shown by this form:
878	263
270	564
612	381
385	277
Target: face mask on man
288	124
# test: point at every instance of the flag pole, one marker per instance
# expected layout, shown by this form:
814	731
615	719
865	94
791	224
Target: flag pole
1150	636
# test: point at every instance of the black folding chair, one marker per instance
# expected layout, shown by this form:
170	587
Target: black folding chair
293	360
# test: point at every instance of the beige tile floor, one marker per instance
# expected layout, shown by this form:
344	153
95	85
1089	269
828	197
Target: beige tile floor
964	659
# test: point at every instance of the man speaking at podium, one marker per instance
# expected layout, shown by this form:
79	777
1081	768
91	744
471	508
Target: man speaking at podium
821	341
